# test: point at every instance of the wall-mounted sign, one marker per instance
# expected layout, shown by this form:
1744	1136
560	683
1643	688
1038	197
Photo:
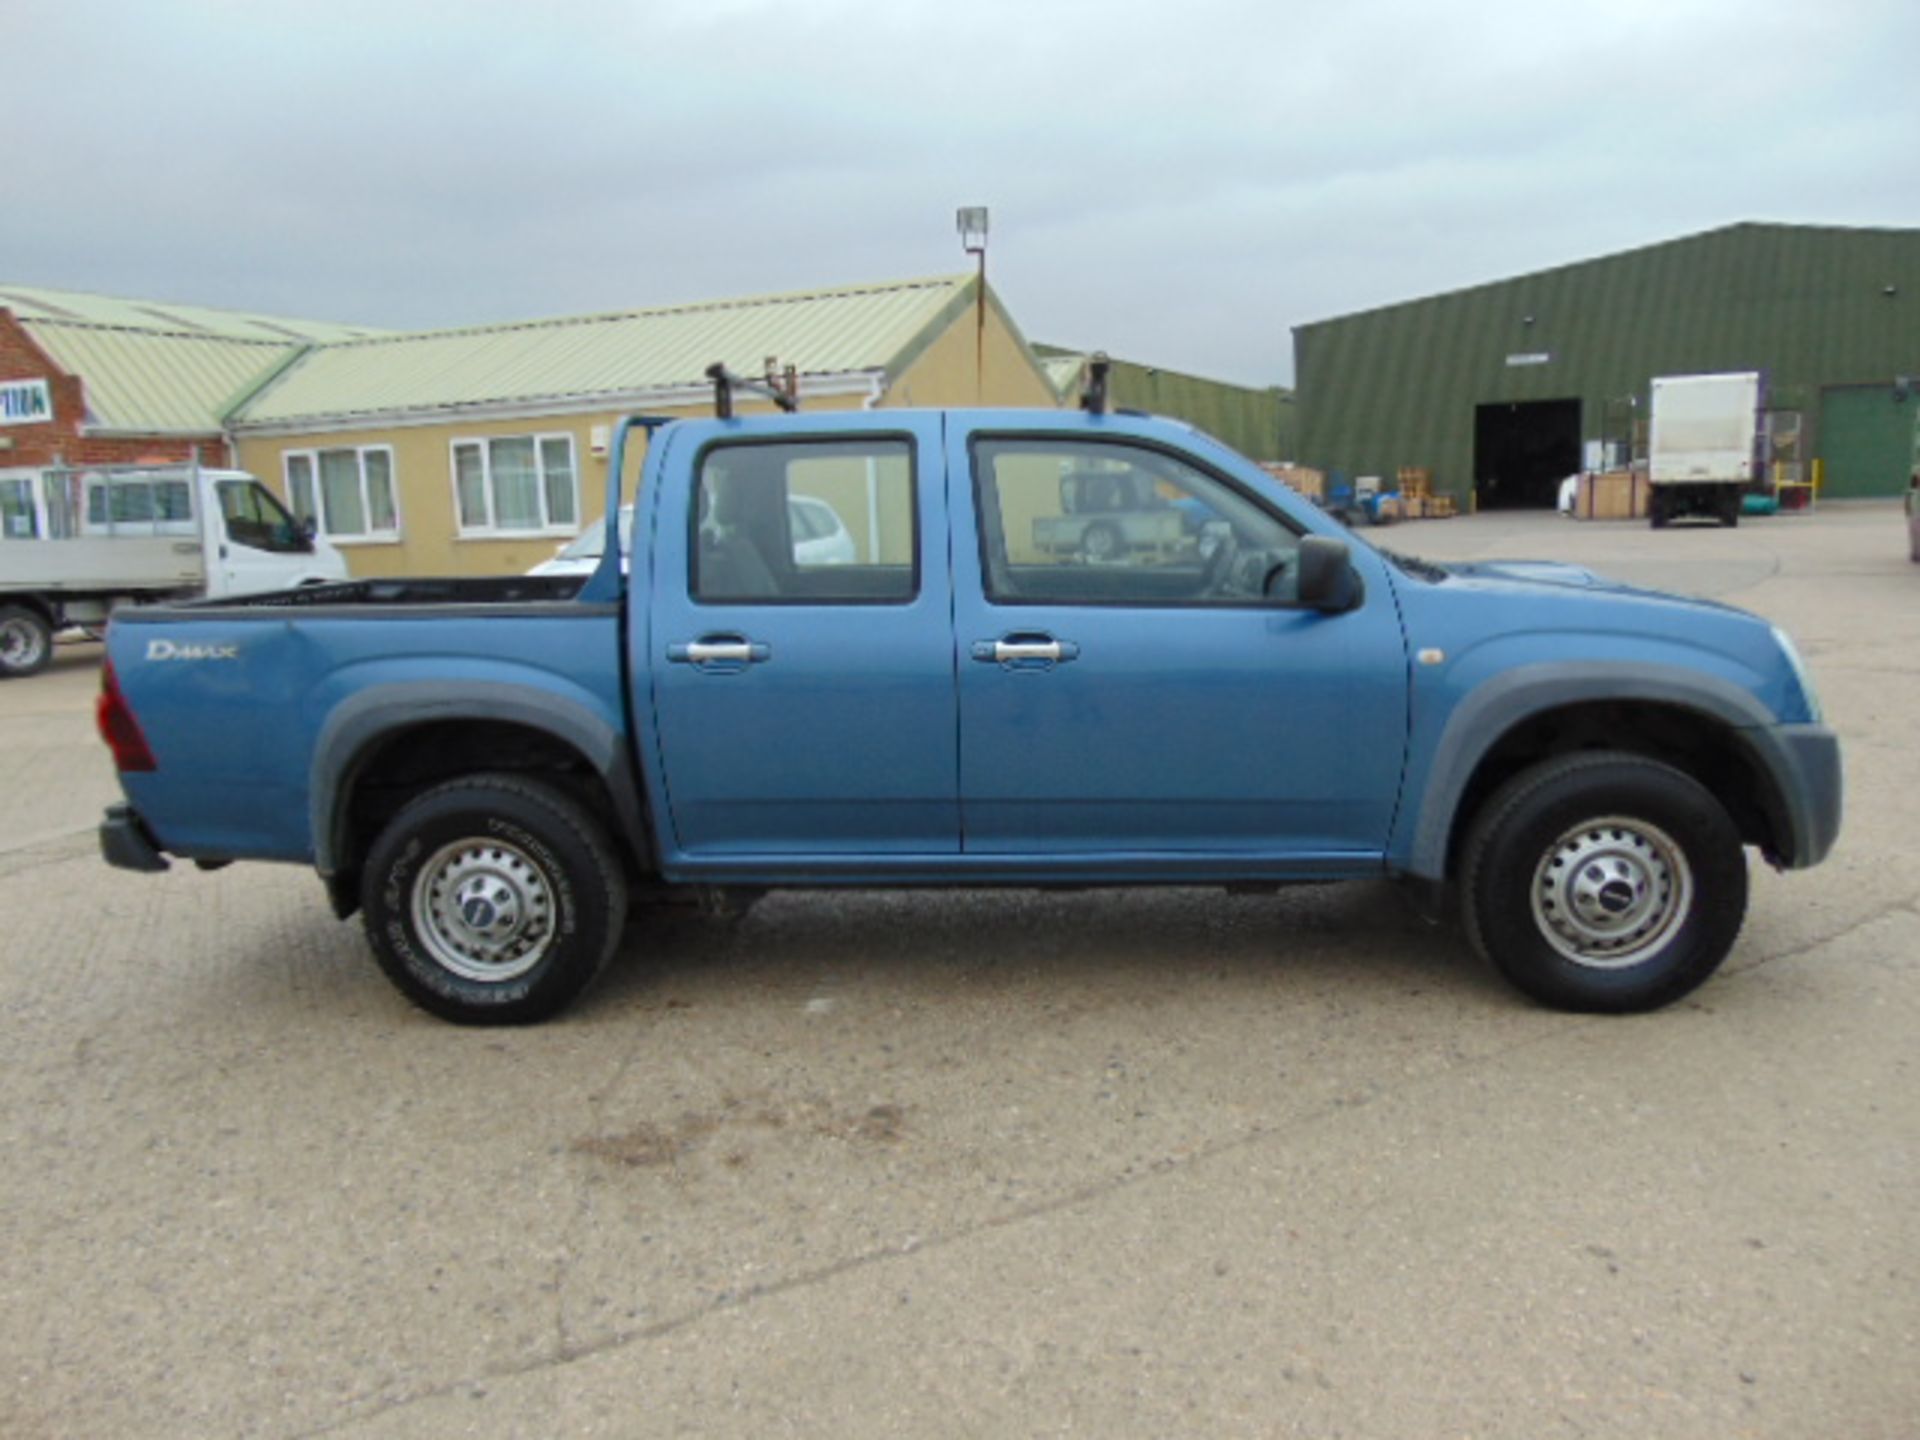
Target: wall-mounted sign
1537	357
25	402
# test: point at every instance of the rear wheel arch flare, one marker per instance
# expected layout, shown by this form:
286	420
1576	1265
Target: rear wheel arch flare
426	734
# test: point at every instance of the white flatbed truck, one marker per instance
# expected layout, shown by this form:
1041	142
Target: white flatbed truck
78	543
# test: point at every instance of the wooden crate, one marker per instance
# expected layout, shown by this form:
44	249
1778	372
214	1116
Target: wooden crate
1615	495
1415	480
1302	479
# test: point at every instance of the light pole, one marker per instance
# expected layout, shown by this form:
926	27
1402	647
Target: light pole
971	222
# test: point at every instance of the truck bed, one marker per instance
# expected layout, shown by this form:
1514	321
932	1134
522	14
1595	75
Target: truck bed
251	703
93	564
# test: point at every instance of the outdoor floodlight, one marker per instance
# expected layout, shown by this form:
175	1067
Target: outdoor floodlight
971	222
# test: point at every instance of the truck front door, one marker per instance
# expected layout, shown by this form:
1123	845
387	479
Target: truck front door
255	545
804	700
1169	702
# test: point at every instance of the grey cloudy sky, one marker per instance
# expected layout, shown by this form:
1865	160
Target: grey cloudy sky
1178	183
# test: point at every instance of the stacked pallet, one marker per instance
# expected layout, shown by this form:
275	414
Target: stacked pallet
1417	499
1301	479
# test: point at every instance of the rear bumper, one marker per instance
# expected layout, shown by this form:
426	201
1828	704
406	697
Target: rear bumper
127	844
1807	769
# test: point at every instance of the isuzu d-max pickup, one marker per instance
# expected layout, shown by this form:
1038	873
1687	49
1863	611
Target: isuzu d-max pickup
494	771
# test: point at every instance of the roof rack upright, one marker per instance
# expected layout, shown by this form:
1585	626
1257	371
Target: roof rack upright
1093	394
783	390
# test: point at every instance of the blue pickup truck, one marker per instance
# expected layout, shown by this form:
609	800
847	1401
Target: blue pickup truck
495	771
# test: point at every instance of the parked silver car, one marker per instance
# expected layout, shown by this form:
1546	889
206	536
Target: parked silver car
820	537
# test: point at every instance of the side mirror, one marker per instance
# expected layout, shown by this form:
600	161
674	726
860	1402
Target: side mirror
1327	581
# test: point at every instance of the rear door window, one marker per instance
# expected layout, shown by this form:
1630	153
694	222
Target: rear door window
806	523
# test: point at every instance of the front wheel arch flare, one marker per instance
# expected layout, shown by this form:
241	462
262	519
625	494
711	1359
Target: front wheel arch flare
1435	819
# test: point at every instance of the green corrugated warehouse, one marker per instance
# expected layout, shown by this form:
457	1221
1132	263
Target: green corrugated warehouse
1502	389
1257	423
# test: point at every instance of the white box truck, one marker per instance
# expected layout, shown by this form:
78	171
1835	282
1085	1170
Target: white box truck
1701	445
75	544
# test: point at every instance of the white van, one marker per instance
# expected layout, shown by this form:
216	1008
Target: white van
77	543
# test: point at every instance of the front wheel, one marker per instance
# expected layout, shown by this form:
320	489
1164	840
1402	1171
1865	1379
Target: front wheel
493	900
1604	881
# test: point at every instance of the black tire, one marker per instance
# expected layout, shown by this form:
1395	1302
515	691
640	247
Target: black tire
1730	509
1645	902
545	900
26	641
1657	511
1101	542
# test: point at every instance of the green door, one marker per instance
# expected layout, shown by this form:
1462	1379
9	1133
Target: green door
1866	439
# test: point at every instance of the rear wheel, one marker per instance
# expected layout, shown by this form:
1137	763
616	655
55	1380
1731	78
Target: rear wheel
493	900
1101	544
1604	881
1657	510
26	641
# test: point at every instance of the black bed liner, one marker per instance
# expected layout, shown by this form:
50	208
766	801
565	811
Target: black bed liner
455	590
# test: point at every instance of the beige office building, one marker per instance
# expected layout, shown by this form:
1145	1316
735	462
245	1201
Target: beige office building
481	450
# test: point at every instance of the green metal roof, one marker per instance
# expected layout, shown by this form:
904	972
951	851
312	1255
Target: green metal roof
35	304
148	383
1256	422
1064	372
854	330
155	368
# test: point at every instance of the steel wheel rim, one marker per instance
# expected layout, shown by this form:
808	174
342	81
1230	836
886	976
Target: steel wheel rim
1100	543
1611	891
484	910
20	642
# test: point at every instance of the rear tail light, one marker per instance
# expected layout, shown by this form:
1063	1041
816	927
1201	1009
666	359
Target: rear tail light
118	727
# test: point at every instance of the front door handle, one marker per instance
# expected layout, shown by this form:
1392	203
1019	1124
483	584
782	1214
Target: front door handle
1026	650
719	650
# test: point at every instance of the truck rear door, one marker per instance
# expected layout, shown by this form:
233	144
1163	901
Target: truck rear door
803	702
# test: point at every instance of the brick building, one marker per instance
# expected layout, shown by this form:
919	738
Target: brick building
88	380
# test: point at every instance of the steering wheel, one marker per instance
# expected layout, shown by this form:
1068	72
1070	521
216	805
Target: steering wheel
1273	565
1214	579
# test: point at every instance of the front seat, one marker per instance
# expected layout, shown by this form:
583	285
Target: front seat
731	565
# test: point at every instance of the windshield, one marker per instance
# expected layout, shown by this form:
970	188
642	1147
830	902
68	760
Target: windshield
256	519
591	543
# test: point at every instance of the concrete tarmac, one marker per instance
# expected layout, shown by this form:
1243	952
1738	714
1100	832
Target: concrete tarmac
1148	1163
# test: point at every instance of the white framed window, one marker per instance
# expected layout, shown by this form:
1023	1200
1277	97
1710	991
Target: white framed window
516	485
348	493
